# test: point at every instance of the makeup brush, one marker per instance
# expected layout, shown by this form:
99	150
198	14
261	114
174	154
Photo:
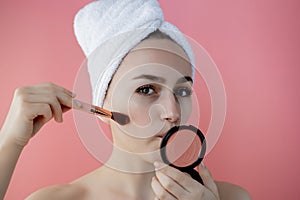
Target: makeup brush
120	118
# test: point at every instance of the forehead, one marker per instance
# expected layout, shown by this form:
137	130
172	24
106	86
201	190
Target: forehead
156	56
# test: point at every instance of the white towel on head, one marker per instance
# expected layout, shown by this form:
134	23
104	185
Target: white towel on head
107	30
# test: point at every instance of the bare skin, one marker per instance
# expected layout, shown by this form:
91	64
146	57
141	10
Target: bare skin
115	180
85	189
31	108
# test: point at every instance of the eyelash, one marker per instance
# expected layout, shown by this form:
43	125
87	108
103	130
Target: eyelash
139	90
155	92
187	90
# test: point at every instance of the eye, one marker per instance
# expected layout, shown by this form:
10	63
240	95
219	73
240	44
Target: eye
146	90
183	92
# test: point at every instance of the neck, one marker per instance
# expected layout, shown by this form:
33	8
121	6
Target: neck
129	175
128	162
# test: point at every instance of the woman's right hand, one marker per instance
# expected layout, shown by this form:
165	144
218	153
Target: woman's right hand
31	108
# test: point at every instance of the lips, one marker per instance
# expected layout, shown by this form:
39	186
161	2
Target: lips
164	131
161	134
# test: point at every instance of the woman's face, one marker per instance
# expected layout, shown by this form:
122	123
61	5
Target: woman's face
153	86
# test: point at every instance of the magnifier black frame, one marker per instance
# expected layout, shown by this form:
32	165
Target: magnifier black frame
171	132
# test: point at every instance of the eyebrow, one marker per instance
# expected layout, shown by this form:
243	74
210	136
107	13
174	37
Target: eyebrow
162	80
185	79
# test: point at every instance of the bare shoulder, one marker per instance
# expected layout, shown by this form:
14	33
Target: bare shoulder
59	192
232	192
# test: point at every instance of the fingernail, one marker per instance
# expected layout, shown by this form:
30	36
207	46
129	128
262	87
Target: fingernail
76	104
73	94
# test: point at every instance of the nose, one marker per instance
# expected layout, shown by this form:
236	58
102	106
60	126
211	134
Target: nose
171	107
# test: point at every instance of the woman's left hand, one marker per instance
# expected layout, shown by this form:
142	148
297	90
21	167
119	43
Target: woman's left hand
170	183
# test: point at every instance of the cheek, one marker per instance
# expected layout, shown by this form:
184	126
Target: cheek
144	117
139	111
185	109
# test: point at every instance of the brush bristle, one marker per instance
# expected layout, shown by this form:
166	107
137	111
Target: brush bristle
122	119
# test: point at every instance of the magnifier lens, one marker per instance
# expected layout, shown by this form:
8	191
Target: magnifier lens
183	148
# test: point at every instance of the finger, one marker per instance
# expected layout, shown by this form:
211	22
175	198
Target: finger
159	191
51	92
65	100
43	114
172	186
65	109
207	179
51	87
51	100
181	178
38	110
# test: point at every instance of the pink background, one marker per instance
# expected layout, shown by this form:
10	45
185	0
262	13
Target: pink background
256	46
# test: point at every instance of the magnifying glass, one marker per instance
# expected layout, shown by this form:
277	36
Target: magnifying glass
183	147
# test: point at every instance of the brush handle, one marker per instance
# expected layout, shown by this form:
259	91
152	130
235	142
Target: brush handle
92	109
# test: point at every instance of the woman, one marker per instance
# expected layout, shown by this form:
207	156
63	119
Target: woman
152	85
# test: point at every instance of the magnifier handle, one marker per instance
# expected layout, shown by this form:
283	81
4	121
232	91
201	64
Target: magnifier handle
195	175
